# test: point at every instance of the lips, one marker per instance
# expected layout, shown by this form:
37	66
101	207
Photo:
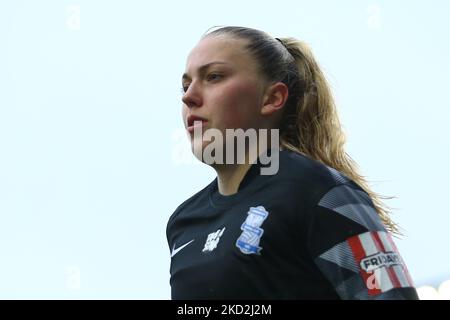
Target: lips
193	118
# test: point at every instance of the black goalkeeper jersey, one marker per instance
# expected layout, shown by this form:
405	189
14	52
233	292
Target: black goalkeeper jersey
307	232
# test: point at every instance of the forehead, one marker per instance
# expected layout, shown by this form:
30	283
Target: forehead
219	48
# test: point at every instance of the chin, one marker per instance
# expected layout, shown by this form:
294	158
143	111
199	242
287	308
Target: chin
198	149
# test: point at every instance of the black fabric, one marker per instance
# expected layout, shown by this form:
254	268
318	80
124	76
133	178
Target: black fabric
300	241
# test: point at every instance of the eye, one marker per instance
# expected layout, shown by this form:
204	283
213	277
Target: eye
213	76
210	77
183	89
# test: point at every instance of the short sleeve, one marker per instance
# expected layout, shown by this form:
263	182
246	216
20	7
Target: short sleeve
352	248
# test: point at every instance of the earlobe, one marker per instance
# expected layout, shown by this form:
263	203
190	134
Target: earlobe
275	98
268	109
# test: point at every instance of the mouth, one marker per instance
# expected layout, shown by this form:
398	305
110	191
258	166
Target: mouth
194	121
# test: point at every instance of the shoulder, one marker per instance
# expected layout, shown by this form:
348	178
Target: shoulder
310	176
334	207
331	203
299	166
333	196
196	200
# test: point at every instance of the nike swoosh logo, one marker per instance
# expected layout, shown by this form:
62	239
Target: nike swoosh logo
175	251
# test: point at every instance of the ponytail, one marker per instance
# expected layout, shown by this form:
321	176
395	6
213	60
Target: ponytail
313	128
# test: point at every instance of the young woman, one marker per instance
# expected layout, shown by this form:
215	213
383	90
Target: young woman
311	229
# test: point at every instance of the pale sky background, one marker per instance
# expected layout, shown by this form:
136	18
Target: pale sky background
93	155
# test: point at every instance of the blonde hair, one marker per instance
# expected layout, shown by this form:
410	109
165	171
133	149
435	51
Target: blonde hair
310	124
317	131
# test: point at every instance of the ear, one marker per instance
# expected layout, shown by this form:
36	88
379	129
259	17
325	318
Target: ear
275	98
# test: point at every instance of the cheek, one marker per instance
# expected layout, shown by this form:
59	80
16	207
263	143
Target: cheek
238	105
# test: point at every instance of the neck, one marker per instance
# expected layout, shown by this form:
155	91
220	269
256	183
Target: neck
230	176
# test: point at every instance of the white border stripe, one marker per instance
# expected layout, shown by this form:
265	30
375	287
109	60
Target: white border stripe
398	269
404	271
401	276
386	243
383	279
368	244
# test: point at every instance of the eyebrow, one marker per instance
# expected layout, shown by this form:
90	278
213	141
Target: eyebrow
202	69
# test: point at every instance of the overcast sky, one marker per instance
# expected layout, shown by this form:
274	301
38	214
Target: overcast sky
93	156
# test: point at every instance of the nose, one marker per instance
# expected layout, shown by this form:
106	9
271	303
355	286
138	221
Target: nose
191	97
